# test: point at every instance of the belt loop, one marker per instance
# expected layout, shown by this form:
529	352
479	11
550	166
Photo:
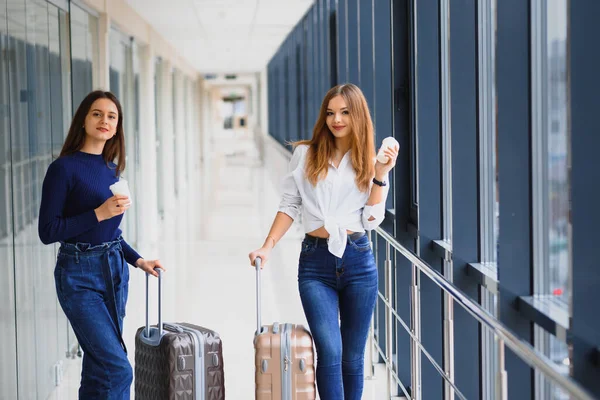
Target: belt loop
76	257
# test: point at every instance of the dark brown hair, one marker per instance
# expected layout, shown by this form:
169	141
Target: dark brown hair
114	148
362	138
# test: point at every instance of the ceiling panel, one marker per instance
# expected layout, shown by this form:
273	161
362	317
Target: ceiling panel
223	35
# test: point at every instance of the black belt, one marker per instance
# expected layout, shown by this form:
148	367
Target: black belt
322	242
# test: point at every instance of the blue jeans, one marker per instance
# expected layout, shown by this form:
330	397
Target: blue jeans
338	296
92	286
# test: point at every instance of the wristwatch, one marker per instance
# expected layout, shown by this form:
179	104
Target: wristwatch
379	183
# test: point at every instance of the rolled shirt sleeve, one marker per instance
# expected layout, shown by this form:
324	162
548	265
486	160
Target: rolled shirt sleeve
375	211
291	201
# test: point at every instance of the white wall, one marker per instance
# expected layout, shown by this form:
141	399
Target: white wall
166	238
128	21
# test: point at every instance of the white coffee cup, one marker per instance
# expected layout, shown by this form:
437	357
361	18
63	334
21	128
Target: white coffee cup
120	188
387	143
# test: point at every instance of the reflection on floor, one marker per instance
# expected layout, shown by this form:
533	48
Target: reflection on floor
215	284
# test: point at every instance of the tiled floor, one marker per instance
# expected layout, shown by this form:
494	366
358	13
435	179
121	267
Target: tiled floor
216	284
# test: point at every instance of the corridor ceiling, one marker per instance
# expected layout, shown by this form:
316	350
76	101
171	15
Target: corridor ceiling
218	36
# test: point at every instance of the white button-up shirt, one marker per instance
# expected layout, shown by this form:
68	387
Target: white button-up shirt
335	202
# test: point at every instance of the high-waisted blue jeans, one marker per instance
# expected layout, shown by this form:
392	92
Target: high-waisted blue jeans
338	296
92	286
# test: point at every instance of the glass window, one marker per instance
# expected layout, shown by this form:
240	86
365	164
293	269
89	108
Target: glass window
488	132
8	356
299	103
23	149
558	163
551	150
365	20
19	94
5	219
446	183
118	64
488	181
60	105
446	127
60	83
382	109
33	99
84	53
285	96
32	294
551	168
122	85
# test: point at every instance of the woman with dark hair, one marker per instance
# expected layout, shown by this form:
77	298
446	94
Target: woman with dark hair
335	182
91	275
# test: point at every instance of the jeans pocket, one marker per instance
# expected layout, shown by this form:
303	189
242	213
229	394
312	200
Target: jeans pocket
66	267
307	248
71	281
362	244
79	279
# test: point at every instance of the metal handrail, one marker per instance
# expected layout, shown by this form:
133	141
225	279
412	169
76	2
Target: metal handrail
390	367
521	348
435	365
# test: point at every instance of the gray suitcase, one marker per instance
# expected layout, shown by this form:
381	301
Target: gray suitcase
177	360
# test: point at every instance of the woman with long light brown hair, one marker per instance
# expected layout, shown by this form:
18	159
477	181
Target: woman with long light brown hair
340	189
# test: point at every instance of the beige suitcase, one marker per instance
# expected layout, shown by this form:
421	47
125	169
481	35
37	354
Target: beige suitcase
284	358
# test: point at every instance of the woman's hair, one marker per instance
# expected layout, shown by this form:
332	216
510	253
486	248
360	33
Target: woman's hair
362	142
114	147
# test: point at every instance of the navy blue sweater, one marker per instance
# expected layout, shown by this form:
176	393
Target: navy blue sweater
74	186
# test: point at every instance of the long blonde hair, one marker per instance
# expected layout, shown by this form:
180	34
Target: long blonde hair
362	142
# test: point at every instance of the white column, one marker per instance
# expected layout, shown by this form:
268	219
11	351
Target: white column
264	102
181	134
148	223
165	123
249	118
195	130
198	117
207	123
168	225
146	200
194	149
103	78
255	118
183	220
204	98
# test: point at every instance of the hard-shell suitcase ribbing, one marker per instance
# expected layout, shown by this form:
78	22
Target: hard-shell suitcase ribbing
284	358
177	361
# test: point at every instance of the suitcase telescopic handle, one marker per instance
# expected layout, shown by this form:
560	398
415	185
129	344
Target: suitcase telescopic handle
160	325
257	263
